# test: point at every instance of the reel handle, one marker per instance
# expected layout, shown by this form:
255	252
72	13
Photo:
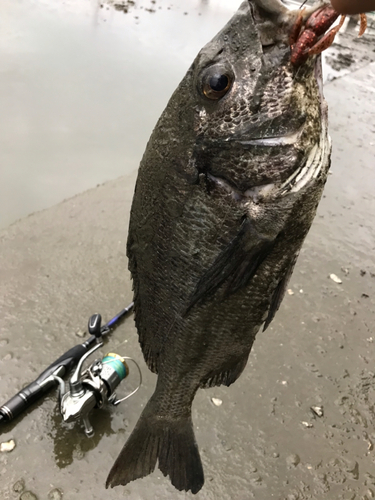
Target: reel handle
95	327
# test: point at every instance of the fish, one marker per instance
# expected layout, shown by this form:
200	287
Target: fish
226	192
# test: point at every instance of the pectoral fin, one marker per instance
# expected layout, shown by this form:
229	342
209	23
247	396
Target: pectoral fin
235	266
279	293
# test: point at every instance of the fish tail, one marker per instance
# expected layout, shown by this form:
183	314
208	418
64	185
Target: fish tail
171	441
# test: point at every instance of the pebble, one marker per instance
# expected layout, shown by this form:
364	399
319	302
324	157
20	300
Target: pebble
7	446
369	479
290	291
78	454
292	496
55	494
80	333
19	486
217	401
318	410
353	469
335	278
27	495
293	460
308	425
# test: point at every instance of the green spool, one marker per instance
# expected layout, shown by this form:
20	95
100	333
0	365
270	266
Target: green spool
117	363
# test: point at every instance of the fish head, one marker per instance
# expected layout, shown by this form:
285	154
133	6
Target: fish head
259	122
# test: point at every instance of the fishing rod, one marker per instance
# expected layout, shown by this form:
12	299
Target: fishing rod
87	389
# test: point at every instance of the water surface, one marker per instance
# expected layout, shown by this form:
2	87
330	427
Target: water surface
81	86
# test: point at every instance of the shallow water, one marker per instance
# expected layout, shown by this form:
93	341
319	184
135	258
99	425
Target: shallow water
82	86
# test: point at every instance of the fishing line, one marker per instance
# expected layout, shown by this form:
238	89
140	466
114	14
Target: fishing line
118	401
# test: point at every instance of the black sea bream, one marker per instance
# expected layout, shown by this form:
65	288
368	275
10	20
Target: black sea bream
227	190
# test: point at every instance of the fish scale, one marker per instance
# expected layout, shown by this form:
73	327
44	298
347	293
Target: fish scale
226	192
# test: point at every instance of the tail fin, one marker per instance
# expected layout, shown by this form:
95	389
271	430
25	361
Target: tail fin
170	441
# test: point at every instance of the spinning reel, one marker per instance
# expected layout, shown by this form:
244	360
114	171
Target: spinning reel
95	386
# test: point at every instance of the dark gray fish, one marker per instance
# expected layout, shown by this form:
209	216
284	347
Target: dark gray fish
226	192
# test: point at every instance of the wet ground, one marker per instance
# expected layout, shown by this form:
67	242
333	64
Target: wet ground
264	441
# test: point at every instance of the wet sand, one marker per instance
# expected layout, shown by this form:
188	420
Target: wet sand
264	441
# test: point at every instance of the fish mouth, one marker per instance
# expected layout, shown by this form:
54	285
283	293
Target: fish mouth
319	153
309	170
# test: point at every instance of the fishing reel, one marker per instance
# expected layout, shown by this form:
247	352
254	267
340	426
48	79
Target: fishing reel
95	386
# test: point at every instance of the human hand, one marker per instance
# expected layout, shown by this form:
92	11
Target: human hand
353	6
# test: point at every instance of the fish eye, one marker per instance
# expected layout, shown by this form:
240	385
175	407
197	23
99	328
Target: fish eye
216	82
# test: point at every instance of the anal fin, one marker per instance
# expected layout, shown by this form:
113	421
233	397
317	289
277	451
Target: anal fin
225	377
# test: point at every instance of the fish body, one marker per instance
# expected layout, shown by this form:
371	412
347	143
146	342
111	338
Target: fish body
226	192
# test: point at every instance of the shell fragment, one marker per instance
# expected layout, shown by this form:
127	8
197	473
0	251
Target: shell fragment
7	446
335	278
